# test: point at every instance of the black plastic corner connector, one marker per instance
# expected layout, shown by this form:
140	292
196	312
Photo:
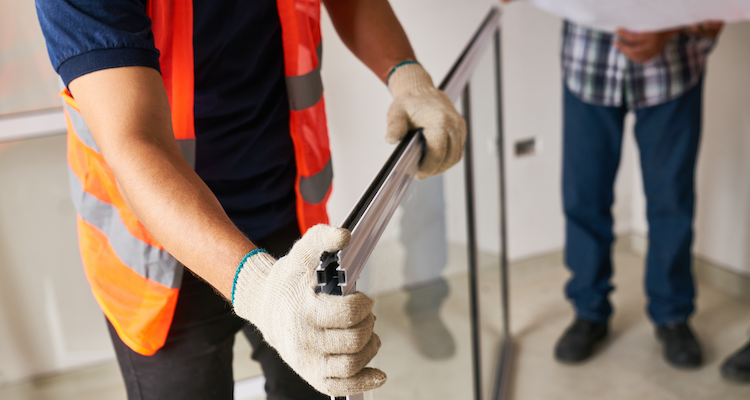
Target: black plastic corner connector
327	275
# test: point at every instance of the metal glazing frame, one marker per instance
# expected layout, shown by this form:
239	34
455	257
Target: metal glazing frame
338	272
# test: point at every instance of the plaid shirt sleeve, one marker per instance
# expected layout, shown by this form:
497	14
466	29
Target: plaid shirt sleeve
597	73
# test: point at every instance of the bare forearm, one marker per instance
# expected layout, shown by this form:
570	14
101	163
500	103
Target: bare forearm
133	131
370	29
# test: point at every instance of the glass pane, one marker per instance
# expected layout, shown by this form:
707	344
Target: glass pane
487	205
418	278
419	273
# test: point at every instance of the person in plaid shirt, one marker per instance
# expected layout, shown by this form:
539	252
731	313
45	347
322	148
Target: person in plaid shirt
659	77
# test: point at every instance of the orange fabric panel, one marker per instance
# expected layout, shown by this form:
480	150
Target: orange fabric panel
140	309
172	26
99	181
310	138
300	32
311	152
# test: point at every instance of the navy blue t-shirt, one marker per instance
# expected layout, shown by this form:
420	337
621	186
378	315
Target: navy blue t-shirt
244	151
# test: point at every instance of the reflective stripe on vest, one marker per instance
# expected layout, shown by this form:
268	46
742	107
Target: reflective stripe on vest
119	255
135	281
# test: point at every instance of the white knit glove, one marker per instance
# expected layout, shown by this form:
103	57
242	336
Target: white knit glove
328	340
417	103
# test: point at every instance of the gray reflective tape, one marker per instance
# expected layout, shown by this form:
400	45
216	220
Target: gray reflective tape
315	188
146	260
187	148
306	90
82	130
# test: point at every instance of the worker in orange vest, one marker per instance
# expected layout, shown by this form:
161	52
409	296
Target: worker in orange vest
197	140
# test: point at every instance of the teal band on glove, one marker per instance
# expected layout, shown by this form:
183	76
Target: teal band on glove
242	263
397	66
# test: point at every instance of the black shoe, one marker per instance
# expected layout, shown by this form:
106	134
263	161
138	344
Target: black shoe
681	349
578	341
737	367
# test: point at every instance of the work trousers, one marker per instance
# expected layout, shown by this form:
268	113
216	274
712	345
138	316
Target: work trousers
196	360
667	136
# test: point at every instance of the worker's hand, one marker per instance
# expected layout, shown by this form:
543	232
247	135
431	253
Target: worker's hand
709	29
641	47
328	340
418	104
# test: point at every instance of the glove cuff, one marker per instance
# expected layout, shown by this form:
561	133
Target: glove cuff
250	278
409	78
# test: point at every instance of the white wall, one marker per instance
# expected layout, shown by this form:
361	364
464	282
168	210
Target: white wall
532	108
723	217
48	318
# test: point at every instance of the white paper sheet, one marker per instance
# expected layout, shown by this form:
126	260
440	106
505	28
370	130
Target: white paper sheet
645	15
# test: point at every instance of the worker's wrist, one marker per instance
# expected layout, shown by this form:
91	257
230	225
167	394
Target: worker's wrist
409	79
255	266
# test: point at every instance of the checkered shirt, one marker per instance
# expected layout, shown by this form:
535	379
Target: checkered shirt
598	73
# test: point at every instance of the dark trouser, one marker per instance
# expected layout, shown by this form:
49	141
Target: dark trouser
196	361
667	136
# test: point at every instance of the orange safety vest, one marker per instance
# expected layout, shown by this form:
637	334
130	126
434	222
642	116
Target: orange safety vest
136	281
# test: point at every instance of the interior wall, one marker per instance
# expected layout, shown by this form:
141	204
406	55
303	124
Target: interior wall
49	320
532	109
722	223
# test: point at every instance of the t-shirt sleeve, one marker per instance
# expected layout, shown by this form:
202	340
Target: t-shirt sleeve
84	36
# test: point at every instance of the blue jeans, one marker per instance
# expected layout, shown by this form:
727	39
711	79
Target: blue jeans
667	136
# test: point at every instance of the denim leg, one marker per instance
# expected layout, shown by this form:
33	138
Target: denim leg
591	154
196	360
668	136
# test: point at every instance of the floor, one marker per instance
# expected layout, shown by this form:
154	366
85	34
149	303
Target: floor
628	365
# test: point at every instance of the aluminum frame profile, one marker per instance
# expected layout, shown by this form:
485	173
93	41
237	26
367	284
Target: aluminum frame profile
338	272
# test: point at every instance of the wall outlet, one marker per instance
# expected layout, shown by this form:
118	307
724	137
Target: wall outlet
527	147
